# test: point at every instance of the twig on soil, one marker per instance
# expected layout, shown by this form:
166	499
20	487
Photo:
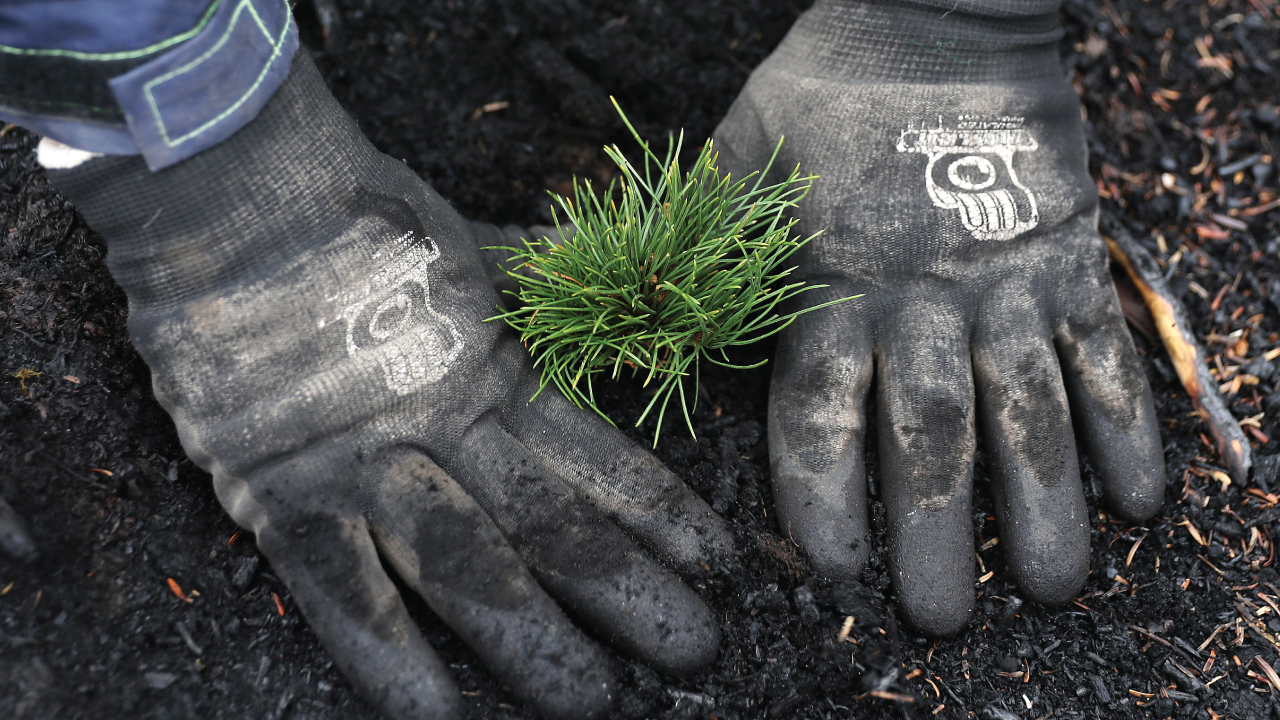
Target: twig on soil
1212	567
1213	635
1267	599
887	695
1272	679
28	336
933	685
1217	678
1162	641
1253	625
72	471
1188	357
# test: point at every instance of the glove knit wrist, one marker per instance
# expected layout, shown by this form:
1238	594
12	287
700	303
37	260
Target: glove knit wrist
291	181
929	41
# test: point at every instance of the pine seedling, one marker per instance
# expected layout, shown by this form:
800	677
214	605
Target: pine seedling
664	269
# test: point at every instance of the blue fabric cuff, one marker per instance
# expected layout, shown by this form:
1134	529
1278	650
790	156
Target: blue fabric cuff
79	134
96	28
204	90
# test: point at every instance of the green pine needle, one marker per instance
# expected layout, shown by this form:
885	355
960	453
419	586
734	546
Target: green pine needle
668	268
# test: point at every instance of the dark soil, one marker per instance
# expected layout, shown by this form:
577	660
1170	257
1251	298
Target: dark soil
1180	99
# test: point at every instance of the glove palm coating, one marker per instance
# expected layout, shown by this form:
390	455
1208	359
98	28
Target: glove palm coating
954	193
312	315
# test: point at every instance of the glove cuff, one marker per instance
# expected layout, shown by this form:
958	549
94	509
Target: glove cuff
1009	9
925	41
297	176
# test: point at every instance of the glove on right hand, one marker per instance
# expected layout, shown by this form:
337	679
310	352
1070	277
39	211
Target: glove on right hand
313	315
954	194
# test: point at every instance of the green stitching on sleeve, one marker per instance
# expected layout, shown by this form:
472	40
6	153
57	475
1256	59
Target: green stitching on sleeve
125	55
277	44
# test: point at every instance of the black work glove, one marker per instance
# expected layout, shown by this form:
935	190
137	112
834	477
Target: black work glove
312	313
954	194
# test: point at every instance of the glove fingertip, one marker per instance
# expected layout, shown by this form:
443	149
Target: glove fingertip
825	514
843	562
424	700
717	545
691	647
1139	507
591	698
1055	590
1053	568
1132	469
936	614
335	576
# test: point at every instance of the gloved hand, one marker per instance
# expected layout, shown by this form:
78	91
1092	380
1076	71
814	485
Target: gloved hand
953	192
312	314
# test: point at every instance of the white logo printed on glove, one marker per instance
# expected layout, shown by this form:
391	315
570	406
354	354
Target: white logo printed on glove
393	320
971	170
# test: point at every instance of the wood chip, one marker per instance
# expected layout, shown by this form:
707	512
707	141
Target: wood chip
893	696
1261	208
845	628
1129	558
1195	532
1137	693
177	590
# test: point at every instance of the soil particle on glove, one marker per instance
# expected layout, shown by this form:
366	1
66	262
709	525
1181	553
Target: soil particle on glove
496	102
